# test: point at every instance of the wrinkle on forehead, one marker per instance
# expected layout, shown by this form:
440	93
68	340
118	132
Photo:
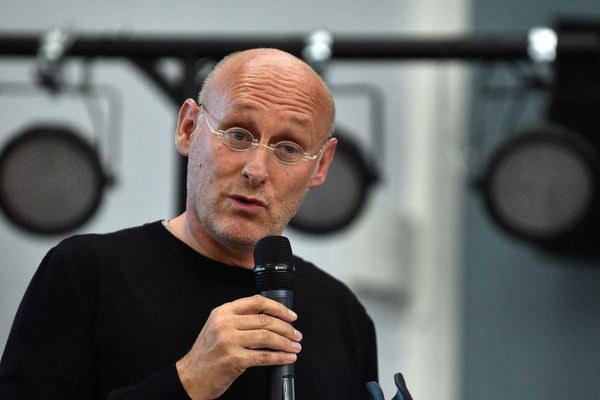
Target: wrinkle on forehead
292	112
266	92
270	77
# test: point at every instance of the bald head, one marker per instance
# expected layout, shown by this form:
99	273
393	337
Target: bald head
280	67
238	194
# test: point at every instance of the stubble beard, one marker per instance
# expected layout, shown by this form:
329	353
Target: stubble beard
222	227
232	233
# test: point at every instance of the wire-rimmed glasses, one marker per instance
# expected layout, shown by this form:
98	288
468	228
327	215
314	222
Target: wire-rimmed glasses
239	139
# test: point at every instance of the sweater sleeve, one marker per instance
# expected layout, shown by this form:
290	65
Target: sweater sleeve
164	384
49	349
50	352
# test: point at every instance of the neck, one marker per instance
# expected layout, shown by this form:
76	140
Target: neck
202	242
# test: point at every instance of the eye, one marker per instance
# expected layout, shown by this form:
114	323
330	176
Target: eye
239	138
239	135
288	152
290	149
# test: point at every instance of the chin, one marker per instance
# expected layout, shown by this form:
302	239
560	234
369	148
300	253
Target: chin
241	233
240	238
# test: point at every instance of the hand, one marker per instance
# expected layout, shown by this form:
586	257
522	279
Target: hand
249	332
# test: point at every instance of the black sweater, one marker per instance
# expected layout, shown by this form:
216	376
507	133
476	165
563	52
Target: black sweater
107	316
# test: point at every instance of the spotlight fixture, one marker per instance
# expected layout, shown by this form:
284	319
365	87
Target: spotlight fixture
342	197
51	180
543	186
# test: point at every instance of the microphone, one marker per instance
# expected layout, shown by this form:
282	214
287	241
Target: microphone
274	276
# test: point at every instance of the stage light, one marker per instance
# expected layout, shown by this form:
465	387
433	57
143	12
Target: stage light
339	201
318	50
543	185
542	43
51	179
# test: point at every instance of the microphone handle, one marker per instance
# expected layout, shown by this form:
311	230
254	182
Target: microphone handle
280	378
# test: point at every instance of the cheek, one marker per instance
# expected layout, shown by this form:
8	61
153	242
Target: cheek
200	171
214	171
224	163
204	159
296	183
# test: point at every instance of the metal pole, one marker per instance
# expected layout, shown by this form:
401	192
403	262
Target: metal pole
373	48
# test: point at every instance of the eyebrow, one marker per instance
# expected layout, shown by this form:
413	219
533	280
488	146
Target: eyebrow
237	114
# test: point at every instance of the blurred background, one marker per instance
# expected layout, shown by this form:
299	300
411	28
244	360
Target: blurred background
475	292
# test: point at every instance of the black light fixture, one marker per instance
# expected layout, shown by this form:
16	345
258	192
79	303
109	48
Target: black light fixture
51	179
543	185
341	198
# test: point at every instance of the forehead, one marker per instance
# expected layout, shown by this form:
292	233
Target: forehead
247	108
273	85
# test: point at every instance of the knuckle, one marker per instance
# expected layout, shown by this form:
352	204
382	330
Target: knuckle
257	299
219	326
262	320
218	322
263	335
219	309
213	314
216	314
264	357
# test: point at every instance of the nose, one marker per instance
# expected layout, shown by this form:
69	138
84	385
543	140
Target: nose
255	169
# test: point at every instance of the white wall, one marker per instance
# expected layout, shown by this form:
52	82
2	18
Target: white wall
410	233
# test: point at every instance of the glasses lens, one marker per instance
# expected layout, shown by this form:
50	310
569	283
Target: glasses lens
288	152
238	139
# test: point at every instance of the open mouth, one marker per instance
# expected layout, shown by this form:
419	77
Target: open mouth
249	201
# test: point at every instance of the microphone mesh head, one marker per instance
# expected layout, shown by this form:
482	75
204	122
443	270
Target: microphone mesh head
273	250
273	264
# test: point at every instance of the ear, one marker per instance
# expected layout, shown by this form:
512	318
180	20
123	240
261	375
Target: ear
320	174
186	125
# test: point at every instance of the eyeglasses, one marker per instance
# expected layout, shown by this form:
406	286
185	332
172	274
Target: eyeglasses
239	139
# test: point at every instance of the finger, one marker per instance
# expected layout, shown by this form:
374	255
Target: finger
257	358
258	304
264	321
265	339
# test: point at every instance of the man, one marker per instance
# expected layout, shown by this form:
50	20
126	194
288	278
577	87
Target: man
118	315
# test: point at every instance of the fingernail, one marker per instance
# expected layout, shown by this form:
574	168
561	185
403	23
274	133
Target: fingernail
292	357
297	334
296	345
293	314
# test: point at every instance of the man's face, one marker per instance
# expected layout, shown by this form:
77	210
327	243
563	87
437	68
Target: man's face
240	197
